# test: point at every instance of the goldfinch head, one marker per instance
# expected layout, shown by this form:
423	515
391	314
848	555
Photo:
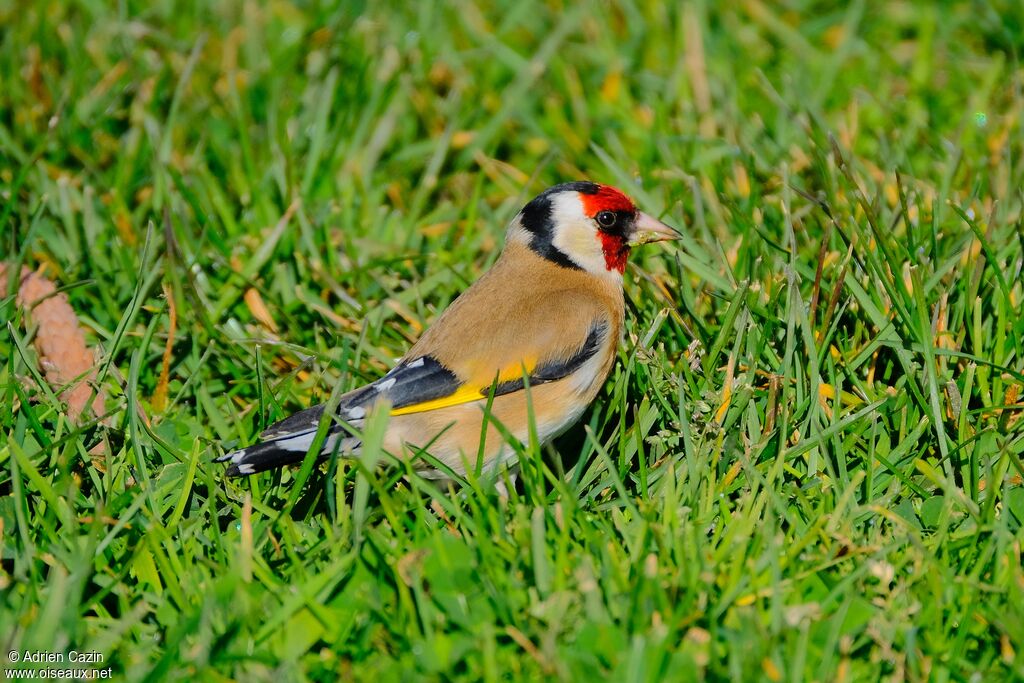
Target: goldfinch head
586	226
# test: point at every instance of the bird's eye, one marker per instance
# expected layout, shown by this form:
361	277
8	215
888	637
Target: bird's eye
606	219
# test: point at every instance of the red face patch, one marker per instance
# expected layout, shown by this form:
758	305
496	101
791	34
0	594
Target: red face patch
614	246
616	251
607	198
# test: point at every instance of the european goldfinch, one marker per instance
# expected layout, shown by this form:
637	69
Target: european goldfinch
545	320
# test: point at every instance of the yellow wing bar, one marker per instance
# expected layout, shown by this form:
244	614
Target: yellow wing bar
469	392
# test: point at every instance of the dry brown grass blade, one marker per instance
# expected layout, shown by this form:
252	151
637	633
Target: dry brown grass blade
159	401
66	360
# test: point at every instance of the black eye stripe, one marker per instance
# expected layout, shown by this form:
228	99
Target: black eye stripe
614	222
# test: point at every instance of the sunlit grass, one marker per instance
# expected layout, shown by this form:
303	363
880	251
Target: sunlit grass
806	464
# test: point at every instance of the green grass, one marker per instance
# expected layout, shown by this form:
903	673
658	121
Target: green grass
805	466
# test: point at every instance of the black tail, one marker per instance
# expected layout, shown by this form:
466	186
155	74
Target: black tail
286	450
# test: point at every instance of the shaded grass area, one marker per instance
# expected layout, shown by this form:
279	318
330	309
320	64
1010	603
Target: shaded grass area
806	465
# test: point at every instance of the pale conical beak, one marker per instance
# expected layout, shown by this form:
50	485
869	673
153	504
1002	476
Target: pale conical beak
648	229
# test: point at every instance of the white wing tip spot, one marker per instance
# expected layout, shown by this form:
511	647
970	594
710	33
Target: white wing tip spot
246	469
234	456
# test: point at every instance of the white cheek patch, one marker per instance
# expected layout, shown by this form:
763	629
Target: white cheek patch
576	236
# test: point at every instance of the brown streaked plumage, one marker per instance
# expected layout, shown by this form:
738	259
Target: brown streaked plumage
547	315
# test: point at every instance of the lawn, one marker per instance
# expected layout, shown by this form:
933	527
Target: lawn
806	465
